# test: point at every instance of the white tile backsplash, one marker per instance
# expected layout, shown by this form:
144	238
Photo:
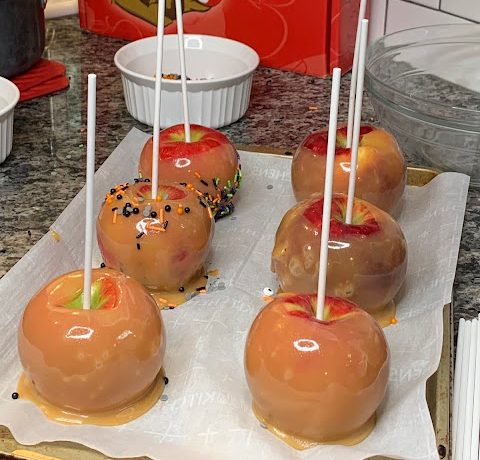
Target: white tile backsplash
404	15
466	8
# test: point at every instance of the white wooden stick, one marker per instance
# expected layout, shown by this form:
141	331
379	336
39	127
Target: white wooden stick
463	393
357	120
327	194
467	438
183	71
353	84
476	402
158	93
91	122
458	376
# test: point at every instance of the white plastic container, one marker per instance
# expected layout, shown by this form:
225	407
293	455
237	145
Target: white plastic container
9	96
220	72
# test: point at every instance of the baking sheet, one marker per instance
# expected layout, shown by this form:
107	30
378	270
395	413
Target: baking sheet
207	414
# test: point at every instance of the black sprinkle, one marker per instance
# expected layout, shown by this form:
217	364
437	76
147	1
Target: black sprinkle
128	205
102	265
168	208
153	214
202	203
183	183
114	209
201	288
29	233
119	197
171	308
126	213
112	191
181	289
138	246
165	224
187	210
205	276
140	235
15	395
136	210
204	182
135	180
147	180
165	379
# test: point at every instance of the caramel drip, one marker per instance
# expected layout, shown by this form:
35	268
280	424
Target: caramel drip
302	443
119	416
172	299
386	316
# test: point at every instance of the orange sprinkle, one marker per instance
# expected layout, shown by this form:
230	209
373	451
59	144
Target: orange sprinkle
151	226
190	186
393	321
162	215
159	198
109	200
210	212
114	217
267	298
161	300
313	107
55	235
135	201
202	291
197	175
180	210
198	193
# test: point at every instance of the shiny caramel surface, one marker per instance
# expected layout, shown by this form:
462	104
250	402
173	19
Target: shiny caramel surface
381	171
91	361
165	244
318	381
367	269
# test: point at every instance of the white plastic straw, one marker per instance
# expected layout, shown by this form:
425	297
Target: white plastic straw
91	121
353	85
476	402
458	447
158	93
458	376
357	120
183	71
327	194
467	438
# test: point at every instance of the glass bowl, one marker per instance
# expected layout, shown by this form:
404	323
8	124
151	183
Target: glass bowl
424	84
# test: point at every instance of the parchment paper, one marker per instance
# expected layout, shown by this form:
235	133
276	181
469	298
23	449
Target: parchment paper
208	413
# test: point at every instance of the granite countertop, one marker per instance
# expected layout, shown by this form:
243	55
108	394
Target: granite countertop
47	165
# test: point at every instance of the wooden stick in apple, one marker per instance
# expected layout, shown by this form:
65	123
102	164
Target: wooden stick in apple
327	195
158	93
91	121
353	82
357	119
183	72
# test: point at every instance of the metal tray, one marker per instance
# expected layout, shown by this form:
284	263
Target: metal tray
438	390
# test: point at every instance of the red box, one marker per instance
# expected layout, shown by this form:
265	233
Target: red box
305	36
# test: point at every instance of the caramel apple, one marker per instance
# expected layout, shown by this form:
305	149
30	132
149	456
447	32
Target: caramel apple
209	163
316	380
367	260
381	167
162	243
102	361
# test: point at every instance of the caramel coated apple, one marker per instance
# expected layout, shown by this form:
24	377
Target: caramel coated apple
209	163
381	167
90	361
315	380
367	260
161	243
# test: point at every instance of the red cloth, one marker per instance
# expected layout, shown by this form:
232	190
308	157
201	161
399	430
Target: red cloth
43	78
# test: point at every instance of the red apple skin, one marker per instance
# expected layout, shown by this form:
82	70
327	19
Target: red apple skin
91	360
381	168
210	154
316	380
366	268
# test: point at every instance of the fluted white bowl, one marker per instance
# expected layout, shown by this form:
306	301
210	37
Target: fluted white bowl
9	96
220	72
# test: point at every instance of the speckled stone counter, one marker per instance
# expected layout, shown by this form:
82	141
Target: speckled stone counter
47	165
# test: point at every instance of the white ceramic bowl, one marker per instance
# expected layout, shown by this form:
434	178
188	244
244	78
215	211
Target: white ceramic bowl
221	72
9	96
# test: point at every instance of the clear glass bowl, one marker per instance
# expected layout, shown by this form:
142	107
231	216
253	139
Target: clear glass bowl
424	84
